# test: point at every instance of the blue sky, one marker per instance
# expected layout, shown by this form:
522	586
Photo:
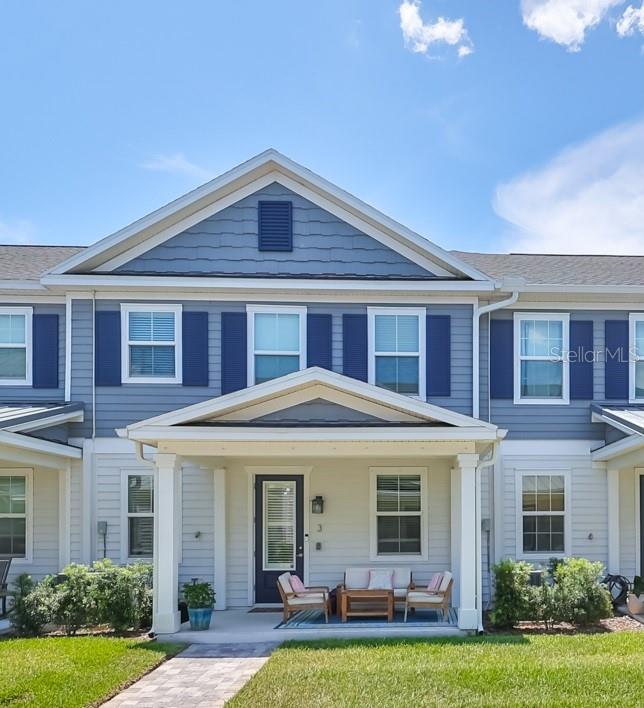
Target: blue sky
529	138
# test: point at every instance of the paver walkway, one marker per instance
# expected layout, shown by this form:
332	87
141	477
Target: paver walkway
202	676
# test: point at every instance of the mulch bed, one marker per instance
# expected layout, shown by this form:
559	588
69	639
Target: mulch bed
621	623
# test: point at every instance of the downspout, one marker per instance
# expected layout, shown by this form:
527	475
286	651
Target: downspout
138	449
476	345
93	365
477	513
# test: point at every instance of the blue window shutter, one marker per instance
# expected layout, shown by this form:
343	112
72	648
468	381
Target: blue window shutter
108	349
501	359
439	355
318	340
45	351
275	226
616	365
234	375
581	360
354	346
194	346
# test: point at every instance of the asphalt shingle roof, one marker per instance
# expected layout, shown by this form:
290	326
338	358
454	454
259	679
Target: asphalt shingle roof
552	269
31	262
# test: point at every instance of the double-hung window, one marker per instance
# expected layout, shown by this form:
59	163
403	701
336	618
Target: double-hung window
398	511
276	341
15	511
541	366
151	346
15	346
542	517
397	349
636	358
140	515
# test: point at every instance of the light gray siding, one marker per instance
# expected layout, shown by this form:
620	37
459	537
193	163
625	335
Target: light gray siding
82	363
226	244
28	394
197	525
563	422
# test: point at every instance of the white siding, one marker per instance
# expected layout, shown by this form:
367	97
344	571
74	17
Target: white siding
197	526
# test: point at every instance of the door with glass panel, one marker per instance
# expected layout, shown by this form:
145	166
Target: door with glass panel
279	532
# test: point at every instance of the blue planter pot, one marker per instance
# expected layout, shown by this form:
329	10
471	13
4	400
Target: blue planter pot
200	619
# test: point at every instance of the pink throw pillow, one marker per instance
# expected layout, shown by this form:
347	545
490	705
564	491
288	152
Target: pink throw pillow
435	582
297	584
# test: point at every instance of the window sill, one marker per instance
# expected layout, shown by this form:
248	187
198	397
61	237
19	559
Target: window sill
541	556
394	558
146	380
15	382
541	401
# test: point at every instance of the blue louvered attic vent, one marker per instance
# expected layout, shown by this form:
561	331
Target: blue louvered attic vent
275	226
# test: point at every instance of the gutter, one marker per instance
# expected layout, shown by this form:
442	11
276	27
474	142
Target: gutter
477	314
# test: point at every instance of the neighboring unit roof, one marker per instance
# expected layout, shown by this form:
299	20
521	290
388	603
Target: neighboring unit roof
31	262
19	414
630	418
553	269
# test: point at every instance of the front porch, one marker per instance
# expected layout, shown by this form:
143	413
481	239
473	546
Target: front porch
399	485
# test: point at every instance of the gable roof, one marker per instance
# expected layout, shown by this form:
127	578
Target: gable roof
312	384
270	166
559	269
27	262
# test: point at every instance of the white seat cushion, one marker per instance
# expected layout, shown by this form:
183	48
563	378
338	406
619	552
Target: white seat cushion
447	576
307	599
424	597
402	577
356	578
380	579
400	592
285	583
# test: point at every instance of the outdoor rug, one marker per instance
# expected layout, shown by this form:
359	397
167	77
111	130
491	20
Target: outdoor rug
314	619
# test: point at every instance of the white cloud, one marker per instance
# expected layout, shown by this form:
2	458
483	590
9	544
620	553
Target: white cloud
588	199
419	36
177	164
565	21
631	21
18	231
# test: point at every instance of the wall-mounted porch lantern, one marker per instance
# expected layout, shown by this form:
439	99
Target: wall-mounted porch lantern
317	505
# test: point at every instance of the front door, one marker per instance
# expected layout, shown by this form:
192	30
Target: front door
279	532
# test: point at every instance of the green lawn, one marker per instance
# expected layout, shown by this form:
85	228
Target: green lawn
72	672
498	670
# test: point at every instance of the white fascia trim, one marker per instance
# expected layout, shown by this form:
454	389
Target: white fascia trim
313	375
196	433
177	310
28	313
274	166
118	283
621	447
252	310
41	423
633	319
24	442
421	314
564	318
21	285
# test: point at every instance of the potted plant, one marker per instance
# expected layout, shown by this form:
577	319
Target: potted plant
200	598
635	599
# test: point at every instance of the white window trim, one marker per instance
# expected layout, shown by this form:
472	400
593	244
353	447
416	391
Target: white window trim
567	513
564	318
251	311
374	472
421	313
28	474
125	514
28	313
126	308
633	319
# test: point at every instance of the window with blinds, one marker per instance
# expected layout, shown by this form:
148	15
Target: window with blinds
15	345
13	516
140	515
280	516
398	514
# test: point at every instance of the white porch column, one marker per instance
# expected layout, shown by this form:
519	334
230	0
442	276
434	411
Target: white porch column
467	613
455	529
612	480
64	516
166	618
219	488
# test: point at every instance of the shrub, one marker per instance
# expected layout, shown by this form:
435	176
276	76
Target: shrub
199	595
75	598
582	598
33	605
123	595
511	601
544	604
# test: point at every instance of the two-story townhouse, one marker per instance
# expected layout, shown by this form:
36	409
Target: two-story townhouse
268	374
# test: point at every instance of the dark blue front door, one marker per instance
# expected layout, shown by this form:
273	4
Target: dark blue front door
279	532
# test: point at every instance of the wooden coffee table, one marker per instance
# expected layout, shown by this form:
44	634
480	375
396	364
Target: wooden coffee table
366	603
